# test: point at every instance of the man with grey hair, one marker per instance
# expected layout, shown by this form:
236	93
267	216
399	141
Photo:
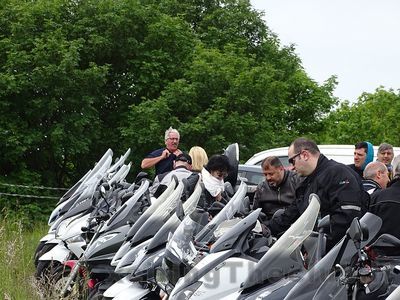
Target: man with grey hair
163	158
338	187
375	177
386	204
385	155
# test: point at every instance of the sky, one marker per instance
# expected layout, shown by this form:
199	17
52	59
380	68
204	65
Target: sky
356	40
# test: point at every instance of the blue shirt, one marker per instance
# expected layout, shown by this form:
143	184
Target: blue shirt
164	165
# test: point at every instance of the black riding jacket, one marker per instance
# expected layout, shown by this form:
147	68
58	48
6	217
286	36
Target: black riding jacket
271	198
341	195
386	204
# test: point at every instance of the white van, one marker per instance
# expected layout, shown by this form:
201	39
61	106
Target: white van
340	153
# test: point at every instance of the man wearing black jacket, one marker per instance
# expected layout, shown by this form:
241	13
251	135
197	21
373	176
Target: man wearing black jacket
278	189
386	204
339	189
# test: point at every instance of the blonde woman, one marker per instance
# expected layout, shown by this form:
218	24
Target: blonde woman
199	158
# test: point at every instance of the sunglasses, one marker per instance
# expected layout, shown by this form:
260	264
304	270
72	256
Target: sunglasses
291	159
184	159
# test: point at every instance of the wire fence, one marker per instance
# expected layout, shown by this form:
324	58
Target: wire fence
34	187
30	187
28	196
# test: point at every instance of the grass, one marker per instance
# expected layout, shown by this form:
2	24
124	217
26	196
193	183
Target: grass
17	246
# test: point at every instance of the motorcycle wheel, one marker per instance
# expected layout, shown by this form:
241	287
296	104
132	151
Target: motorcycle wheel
37	251
41	249
151	296
44	270
95	294
59	278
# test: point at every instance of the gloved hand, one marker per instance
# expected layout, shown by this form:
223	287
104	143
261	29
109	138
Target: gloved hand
266	232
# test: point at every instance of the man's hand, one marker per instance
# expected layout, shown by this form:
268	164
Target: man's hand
165	154
265	230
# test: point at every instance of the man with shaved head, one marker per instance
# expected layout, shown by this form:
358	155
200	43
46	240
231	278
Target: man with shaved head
375	177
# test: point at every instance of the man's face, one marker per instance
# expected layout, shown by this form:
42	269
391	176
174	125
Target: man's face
273	175
299	165
386	156
172	142
383	178
359	157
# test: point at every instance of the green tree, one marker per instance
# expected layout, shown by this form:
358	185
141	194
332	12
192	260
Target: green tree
372	118
228	96
47	99
78	77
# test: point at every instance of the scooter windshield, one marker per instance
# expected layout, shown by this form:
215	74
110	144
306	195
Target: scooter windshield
173	222
314	278
181	244
230	209
282	259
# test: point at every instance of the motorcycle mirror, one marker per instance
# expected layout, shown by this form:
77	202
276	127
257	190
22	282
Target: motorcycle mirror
141	175
324	224
232	152
180	213
175	179
365	232
104	188
245	206
215	208
126	196
355	232
169	236
229	189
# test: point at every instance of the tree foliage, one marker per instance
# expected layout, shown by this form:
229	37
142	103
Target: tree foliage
78	77
372	118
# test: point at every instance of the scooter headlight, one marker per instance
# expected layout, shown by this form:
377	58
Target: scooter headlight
61	229
75	239
100	241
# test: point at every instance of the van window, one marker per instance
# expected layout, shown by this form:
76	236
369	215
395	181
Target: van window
283	159
340	153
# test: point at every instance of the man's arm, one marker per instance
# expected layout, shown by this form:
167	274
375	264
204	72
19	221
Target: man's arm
257	195
149	162
288	217
345	196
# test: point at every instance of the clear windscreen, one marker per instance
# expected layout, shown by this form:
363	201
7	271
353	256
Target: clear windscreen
341	253
227	213
281	258
181	244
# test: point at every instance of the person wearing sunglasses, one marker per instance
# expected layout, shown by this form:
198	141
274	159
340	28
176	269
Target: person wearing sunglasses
339	189
163	158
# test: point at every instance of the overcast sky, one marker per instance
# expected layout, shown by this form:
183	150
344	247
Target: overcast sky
357	40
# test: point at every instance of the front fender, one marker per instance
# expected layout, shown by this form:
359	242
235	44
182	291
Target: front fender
48	237
132	292
58	253
117	287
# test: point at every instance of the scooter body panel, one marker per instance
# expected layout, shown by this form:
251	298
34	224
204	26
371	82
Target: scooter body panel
49	236
132	292
117	287
224	279
58	253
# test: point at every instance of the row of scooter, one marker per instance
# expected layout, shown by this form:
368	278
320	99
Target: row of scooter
110	239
